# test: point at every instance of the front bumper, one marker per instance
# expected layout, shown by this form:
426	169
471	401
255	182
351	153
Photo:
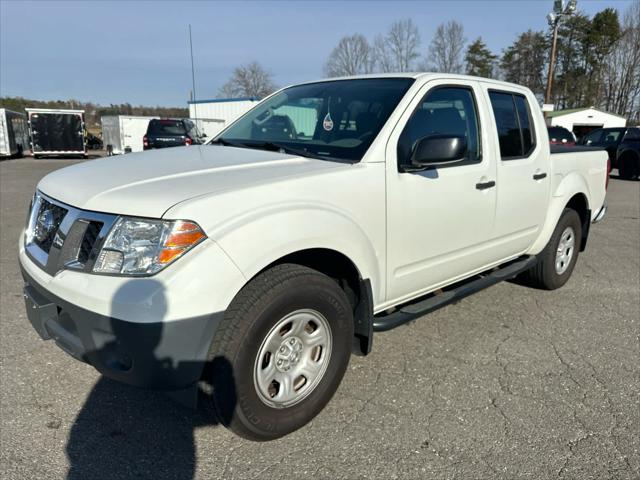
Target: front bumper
162	355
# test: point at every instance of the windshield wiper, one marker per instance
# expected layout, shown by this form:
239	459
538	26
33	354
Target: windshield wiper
227	143
294	151
267	145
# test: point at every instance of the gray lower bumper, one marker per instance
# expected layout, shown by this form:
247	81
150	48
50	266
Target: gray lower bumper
162	355
601	213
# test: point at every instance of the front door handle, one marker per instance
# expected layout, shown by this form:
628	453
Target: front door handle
485	185
539	176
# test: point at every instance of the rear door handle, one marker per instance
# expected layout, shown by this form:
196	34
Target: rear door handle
485	185
539	176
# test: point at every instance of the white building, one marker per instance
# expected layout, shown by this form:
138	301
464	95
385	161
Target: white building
583	120
215	114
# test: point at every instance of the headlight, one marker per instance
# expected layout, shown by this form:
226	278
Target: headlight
137	246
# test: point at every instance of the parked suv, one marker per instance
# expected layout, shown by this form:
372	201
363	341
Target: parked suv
622	145
628	154
168	132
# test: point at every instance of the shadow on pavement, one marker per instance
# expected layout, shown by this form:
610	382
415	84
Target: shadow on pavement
123	432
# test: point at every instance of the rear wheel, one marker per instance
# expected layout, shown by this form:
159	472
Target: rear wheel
557	261
280	352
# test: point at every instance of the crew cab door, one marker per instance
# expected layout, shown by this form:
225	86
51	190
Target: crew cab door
440	219
523	169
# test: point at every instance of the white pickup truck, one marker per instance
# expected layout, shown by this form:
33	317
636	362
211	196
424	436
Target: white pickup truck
253	267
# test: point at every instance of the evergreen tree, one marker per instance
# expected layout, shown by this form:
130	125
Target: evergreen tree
480	61
524	61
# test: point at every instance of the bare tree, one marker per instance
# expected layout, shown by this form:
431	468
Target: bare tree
352	56
445	51
383	57
621	71
250	80
398	49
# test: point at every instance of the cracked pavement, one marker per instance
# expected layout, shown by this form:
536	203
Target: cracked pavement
509	383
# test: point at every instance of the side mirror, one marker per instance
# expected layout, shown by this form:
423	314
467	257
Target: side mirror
436	150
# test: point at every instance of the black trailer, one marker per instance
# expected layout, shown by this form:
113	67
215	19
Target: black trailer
57	132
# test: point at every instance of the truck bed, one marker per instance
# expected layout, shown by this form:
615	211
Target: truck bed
587	165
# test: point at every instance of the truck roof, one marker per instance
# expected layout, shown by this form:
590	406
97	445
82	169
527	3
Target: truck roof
417	75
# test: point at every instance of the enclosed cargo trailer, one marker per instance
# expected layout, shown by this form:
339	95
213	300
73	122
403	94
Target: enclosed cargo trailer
57	132
124	133
14	133
212	116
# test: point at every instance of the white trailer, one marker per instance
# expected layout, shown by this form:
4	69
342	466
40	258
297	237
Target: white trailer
14	133
212	116
124	133
209	126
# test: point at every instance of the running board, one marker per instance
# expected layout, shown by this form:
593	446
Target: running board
434	301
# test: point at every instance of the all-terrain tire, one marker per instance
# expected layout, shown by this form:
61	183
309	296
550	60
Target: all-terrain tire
550	272
247	324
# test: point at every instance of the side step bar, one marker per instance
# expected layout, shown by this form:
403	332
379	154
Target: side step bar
420	307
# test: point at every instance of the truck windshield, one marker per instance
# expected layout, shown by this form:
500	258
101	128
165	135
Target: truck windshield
335	119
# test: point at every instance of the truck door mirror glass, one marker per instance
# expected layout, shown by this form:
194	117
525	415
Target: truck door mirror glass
437	150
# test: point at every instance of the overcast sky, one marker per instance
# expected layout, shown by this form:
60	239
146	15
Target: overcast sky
138	52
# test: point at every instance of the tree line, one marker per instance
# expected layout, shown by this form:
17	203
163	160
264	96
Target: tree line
598	60
93	112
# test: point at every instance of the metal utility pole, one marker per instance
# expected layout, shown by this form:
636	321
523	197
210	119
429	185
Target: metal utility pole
560	10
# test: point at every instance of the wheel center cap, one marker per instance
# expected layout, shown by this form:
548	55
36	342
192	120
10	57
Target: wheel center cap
288	354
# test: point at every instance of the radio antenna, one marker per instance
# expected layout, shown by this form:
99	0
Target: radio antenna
193	80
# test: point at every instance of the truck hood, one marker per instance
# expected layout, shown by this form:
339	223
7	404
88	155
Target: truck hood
147	184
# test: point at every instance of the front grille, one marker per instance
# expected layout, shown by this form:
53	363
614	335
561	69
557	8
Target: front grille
89	240
79	243
47	222
59	236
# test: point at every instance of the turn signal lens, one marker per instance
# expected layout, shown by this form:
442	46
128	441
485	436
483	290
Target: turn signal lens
184	234
169	255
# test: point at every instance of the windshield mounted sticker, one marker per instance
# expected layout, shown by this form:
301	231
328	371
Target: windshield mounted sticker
327	123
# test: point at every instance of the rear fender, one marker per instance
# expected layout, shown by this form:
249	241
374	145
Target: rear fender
563	191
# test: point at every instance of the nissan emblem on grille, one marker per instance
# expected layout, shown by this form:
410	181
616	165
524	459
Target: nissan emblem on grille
44	225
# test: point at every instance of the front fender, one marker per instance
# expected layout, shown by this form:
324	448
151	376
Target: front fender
565	187
260	237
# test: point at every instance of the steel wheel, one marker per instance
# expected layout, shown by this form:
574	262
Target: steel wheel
293	358
565	250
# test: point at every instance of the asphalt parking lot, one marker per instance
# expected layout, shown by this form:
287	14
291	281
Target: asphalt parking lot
509	383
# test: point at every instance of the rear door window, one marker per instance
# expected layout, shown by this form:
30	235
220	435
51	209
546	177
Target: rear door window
524	117
514	124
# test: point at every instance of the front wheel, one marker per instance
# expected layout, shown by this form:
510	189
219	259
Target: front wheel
558	259
280	352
